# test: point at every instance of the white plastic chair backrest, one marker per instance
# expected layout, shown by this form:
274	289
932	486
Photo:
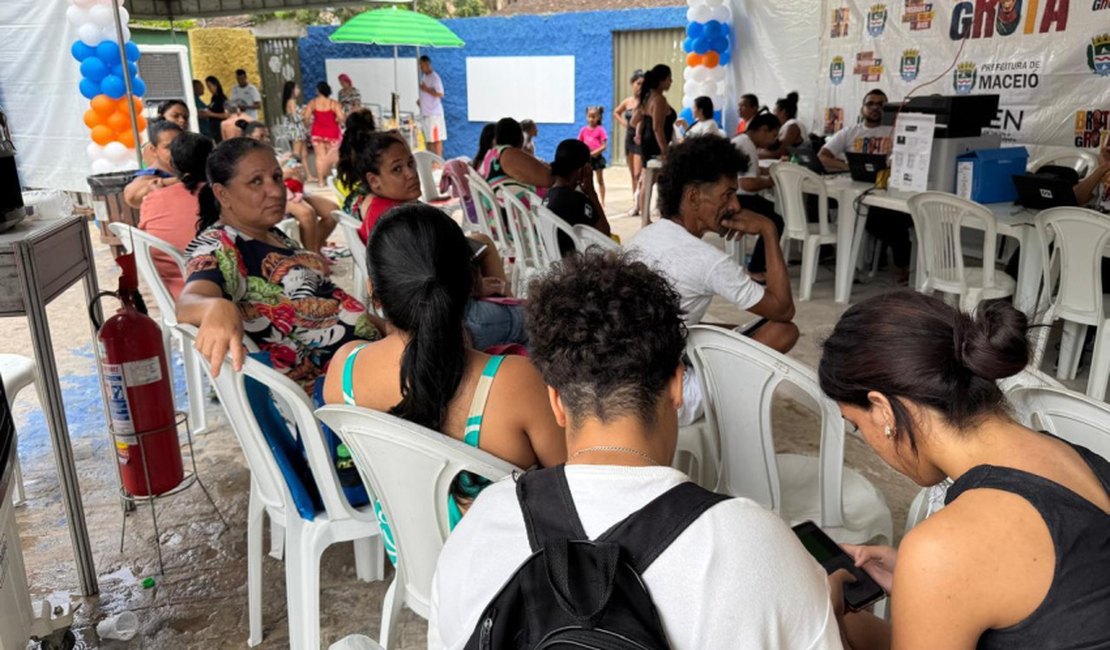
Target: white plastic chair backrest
738	379
1083	162
143	244
264	469
291	228
487	209
410	469
457	171
350	225
591	237
1070	415
1030	376
792	183
429	188
330	182
1073	273
939	218
550	225
918	510
528	250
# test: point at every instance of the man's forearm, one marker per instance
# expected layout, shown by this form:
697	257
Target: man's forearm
778	279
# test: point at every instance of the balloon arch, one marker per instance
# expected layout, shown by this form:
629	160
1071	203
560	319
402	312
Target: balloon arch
709	48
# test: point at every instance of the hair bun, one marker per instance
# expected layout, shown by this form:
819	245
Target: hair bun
792	96
992	344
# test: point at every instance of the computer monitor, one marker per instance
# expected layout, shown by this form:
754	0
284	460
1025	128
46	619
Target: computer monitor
958	116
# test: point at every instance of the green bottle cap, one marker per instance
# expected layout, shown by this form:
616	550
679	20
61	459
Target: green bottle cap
342	451
148	582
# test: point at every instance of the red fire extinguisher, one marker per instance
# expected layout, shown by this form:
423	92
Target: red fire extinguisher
138	390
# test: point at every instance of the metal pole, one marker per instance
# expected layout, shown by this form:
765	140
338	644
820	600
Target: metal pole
127	82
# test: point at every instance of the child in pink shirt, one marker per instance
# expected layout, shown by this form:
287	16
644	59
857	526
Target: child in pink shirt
597	140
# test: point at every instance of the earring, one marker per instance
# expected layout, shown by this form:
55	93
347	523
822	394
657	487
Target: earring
888	432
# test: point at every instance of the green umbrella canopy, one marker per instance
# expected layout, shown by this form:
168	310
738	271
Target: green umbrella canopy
396	26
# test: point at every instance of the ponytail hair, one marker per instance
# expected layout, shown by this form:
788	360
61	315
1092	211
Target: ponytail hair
788	105
419	265
652	79
189	153
360	153
221	168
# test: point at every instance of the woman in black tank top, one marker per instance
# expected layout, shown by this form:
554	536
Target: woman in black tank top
623	114
1020	555
655	128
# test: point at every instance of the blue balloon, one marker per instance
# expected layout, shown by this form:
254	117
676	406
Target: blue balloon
113	86
138	87
108	52
694	30
80	51
717	115
133	53
702	45
94	69
712	30
724	57
89	88
688	45
688	115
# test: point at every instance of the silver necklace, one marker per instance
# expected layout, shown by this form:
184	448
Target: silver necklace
623	450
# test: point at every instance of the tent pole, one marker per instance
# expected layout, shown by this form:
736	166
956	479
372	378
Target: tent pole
127	82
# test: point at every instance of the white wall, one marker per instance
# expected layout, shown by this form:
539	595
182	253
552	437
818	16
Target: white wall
374	79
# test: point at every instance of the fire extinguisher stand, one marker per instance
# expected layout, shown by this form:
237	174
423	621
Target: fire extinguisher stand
129	501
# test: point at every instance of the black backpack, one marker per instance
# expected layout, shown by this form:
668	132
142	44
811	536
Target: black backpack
576	593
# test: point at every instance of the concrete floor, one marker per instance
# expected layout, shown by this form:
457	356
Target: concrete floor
201	601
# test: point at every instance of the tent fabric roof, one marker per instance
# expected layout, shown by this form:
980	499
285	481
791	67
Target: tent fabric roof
178	9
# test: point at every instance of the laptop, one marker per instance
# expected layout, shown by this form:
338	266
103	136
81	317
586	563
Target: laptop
1043	191
806	156
865	167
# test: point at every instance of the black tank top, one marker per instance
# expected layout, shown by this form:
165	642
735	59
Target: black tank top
1076	611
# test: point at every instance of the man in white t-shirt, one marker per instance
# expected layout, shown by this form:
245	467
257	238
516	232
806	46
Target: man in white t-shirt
606	334
246	94
431	107
697	193
760	133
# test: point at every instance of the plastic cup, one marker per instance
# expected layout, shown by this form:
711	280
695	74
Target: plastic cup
122	626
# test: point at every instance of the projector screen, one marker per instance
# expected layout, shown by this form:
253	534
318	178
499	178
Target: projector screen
539	88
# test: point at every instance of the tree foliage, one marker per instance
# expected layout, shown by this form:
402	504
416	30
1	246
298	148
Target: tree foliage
435	8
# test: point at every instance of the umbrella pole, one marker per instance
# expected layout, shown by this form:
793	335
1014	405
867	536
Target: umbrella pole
127	85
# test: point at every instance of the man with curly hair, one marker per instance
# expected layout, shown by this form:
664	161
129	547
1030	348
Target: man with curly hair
607	334
697	195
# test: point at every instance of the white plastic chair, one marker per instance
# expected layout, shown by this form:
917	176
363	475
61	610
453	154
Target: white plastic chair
1082	161
350	225
792	183
589	237
410	469
1065	413
291	229
550	225
143	244
17	372
939	219
530	256
304	541
429	186
488	212
738	378
1073	290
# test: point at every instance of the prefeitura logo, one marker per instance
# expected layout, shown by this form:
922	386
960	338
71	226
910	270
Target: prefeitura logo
836	70
1098	55
876	20
964	77
911	63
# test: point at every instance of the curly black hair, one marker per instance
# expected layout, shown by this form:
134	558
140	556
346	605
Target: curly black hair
606	331
698	160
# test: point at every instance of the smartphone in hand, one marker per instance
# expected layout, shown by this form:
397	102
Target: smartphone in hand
857	595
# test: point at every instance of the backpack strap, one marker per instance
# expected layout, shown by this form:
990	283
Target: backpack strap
649	531
547	506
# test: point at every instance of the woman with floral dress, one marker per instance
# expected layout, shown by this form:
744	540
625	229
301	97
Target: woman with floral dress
246	277
294	121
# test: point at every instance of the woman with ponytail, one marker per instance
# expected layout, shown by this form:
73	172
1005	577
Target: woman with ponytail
245	276
654	121
791	133
170	213
419	268
1020	555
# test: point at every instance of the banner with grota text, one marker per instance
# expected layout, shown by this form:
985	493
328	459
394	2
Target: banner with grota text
1048	60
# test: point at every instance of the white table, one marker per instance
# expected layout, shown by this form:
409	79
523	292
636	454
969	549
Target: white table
1013	221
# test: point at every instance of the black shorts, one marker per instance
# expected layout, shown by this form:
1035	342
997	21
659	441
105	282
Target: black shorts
630	146
597	162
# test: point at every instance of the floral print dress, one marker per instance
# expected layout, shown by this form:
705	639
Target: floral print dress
290	308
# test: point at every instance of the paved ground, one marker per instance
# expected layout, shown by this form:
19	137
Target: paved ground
200	602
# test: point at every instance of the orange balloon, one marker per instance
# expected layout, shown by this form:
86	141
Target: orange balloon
118	121
102	135
121	104
711	59
103	105
142	122
694	59
92	118
127	139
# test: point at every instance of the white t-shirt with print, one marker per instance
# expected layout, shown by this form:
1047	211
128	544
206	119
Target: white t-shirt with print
745	145
860	139
736	578
696	269
247	95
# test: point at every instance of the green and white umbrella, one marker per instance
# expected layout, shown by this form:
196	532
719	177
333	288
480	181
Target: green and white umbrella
397	27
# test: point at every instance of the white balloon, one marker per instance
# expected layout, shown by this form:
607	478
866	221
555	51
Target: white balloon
127	164
707	89
688	101
718	102
701	73
101	166
94	151
722	88
701	14
115	152
688	73
696	3
714	3
76	15
89	34
716	74
109	33
721	14
689	88
84	4
101	16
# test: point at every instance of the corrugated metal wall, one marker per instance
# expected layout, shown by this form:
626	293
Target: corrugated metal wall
641	50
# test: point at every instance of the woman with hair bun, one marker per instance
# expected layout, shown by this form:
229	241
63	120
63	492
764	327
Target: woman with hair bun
791	133
1020	555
